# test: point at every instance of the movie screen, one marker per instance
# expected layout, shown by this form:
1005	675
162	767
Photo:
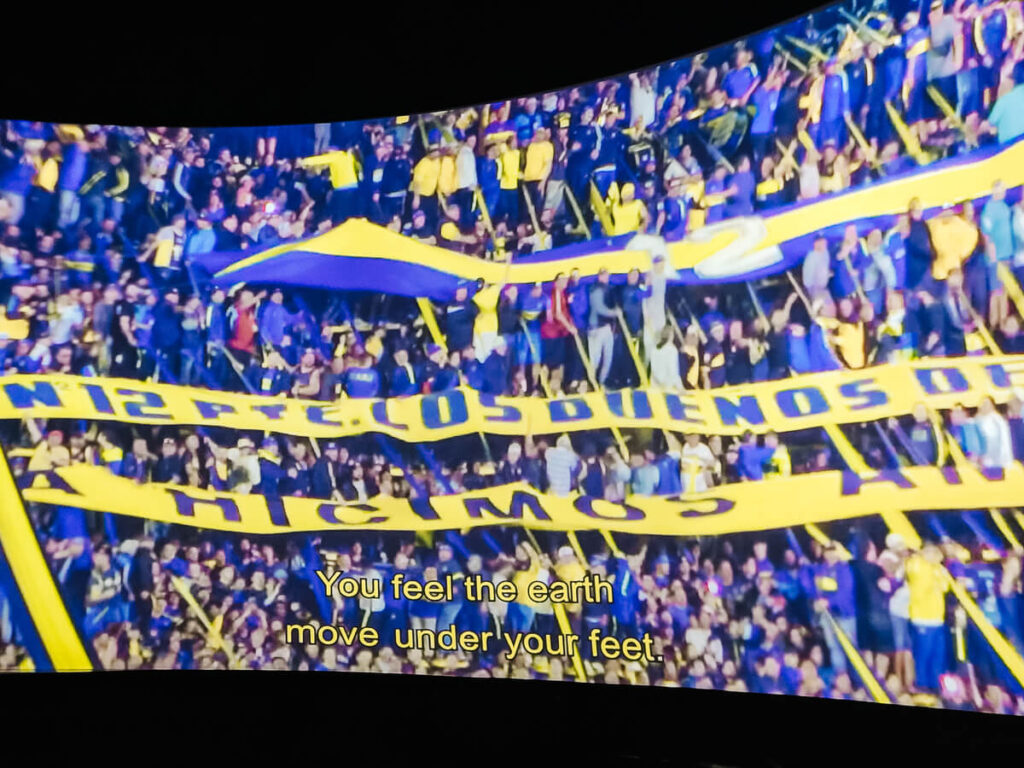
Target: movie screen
707	375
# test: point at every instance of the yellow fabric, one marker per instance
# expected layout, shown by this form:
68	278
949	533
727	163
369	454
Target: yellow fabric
48	174
450	231
810	102
780	464
509	162
882	391
849	338
774	503
486	301
448	180
626	217
954	240
928	586
343	167
162	255
539	157
426	175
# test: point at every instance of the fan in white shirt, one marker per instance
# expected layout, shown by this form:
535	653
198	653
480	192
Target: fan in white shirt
995	433
665	363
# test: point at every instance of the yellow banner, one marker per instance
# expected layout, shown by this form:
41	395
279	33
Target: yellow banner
777	503
799	402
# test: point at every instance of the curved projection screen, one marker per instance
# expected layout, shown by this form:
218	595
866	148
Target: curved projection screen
707	375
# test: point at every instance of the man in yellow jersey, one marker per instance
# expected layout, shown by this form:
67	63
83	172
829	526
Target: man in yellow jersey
508	198
954	239
928	583
346	172
425	178
628	213
540	155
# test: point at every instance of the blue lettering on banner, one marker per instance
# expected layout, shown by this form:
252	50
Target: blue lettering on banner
585	504
475	508
315	414
422	508
213	410
704	507
1000	378
272	412
99	398
24	396
802	401
329	513
278	516
953	379
678	407
509	413
138	410
638	399
54	482
186	505
871	398
379	411
455	404
852	482
569	409
747	409
953	477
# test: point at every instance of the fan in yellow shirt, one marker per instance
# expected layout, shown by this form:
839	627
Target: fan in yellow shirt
628	213
954	239
343	166
540	154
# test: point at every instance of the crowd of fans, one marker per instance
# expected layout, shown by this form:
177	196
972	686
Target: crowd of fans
741	613
102	227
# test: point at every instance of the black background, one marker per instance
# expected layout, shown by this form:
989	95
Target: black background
185	64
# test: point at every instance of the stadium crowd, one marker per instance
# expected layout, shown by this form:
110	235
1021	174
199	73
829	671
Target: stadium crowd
103	226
